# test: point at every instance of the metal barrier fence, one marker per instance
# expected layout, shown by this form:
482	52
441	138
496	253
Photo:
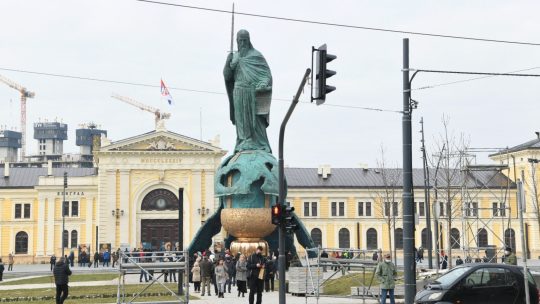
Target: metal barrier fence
143	262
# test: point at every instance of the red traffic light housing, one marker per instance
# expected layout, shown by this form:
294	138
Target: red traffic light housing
276	214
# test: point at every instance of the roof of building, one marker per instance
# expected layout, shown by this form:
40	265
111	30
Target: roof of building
531	144
29	177
379	178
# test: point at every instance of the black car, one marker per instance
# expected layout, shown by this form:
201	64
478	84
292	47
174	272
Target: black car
478	284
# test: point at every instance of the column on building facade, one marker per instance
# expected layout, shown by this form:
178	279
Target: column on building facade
107	203
89	219
39	251
124	205
191	210
51	206
209	200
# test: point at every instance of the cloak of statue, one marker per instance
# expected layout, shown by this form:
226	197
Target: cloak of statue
248	81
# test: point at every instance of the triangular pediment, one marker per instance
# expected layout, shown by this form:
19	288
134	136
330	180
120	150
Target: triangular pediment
161	141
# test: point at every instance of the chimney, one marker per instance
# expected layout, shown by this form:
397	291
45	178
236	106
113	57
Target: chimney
324	171
363	166
49	168
6	170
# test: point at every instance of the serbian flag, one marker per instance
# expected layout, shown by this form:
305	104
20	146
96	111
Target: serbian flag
165	93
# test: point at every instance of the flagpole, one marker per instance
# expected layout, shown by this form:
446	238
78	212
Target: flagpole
232	28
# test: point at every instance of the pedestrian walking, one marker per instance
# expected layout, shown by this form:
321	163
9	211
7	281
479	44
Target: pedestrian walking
2	268
270	274
61	279
106	258
11	261
52	261
221	277
421	254
196	276
444	260
386	275
459	261
142	259
324	255
206	275
96	259
230	264
115	258
71	258
256	264
509	257
241	275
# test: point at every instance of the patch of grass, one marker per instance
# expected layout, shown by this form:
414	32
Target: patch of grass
99	300
342	285
84	291
72	278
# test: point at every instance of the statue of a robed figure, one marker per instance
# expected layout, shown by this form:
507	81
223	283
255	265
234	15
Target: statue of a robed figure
247	181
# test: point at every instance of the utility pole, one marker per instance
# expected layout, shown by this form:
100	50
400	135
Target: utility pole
407	196
181	273
521	202
64	214
426	195
282	190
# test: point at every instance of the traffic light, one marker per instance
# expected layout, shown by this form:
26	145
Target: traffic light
65	180
319	88
276	214
288	217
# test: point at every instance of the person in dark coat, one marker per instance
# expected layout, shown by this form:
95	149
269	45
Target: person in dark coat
459	261
71	258
230	264
270	274
52	261
256	263
444	260
206	275
61	279
2	268
324	255
96	259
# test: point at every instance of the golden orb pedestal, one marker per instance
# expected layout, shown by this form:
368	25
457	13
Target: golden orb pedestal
249	226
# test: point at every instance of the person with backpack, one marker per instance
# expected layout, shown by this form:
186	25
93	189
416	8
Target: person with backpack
61	279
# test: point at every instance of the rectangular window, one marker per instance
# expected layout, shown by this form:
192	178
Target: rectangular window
306	208
386	208
502	211
18	211
75	208
334	208
474	209
27	211
341	208
314	209
360	208
422	209
368	208
442	208
65	209
395	210
495	209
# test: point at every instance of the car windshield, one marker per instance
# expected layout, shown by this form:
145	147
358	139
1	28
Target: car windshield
451	276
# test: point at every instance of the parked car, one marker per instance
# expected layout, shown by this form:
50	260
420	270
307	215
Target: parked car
479	284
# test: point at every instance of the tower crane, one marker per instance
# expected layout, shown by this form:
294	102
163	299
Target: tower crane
159	116
24	94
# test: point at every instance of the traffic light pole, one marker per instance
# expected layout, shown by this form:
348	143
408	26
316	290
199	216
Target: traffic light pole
282	190
407	196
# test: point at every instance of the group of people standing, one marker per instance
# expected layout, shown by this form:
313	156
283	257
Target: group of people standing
223	271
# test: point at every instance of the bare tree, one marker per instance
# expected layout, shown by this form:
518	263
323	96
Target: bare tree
449	157
387	207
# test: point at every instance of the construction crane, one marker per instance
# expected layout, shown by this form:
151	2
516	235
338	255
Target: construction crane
159	116
24	94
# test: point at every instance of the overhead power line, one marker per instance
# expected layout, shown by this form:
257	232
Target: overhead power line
359	27
431	86
179	89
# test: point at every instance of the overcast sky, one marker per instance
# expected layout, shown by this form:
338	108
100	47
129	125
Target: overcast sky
132	41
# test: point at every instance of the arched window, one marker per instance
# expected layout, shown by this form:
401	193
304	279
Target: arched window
21	242
316	236
398	238
510	238
73	238
454	238
160	199
482	238
65	239
344	238
371	239
424	238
